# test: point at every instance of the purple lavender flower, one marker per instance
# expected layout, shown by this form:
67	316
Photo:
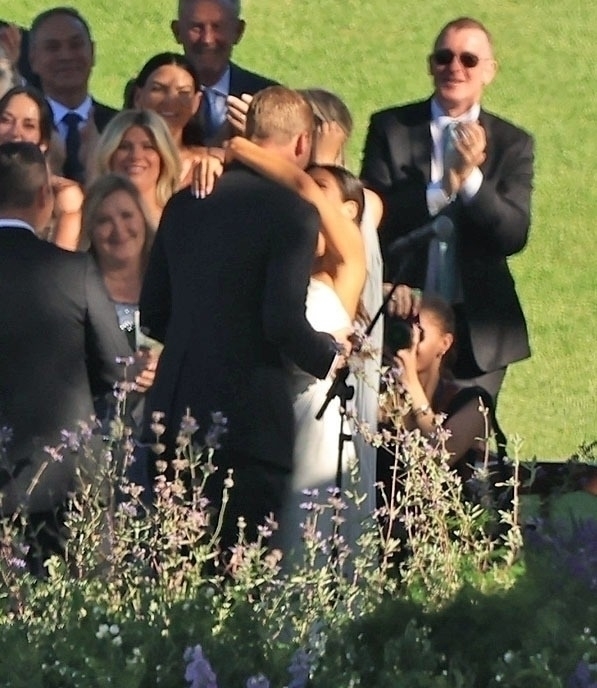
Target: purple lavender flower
299	669
198	673
17	563
218	428
5	435
574	549
259	681
71	440
55	453
310	493
188	424
582	677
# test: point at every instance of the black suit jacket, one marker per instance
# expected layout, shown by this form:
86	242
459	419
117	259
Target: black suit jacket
241	81
59	339
225	291
102	114
493	226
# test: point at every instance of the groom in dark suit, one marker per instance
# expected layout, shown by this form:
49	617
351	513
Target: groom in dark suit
446	155
59	340
225	291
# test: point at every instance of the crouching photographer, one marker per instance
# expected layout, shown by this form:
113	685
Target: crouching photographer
420	349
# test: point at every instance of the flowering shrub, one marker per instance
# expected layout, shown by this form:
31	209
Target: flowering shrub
140	597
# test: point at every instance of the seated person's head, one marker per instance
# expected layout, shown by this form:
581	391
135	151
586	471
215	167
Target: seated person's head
25	116
281	118
168	85
437	330
62	54
208	30
138	145
25	191
115	223
328	107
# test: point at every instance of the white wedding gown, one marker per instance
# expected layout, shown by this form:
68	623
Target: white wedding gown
316	441
367	382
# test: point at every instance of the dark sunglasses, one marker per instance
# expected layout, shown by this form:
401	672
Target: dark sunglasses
444	56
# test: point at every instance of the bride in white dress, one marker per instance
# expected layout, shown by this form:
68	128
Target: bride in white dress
332	303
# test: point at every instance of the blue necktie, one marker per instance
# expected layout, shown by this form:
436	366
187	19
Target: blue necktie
205	115
73	169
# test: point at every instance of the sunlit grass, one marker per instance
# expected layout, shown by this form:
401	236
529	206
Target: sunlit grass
373	54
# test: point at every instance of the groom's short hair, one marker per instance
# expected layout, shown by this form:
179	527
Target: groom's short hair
278	113
23	172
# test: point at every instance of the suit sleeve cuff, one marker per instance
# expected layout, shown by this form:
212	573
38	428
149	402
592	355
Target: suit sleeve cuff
437	199
471	185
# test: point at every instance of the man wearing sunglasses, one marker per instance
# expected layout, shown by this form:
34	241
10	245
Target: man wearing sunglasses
447	156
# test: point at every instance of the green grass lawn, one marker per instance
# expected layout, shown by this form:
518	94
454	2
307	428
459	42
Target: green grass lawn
373	54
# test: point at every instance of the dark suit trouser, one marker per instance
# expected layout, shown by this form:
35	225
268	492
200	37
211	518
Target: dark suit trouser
45	534
466	370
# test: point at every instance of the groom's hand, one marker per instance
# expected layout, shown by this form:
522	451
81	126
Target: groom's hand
343	339
344	347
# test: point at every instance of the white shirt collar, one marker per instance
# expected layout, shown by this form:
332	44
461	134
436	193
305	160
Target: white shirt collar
59	110
13	223
438	116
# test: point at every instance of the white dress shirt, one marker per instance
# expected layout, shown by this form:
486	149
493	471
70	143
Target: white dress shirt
10	223
59	111
437	199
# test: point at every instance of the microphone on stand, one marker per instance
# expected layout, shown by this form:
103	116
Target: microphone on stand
440	228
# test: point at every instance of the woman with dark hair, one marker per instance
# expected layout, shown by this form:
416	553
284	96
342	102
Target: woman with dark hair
25	116
424	370
167	84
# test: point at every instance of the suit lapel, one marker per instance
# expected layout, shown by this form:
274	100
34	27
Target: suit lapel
485	121
421	145
421	149
235	77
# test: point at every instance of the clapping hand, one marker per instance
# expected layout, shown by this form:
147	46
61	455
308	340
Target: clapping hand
237	112
467	153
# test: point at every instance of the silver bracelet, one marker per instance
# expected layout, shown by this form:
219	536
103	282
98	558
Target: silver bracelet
422	410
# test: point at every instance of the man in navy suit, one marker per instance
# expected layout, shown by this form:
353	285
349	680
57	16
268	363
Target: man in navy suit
62	54
446	155
208	31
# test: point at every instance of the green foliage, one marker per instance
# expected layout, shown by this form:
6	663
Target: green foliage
449	605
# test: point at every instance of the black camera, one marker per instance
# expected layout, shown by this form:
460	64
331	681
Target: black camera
399	332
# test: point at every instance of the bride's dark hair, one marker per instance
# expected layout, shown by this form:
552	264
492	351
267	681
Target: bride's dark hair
351	187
